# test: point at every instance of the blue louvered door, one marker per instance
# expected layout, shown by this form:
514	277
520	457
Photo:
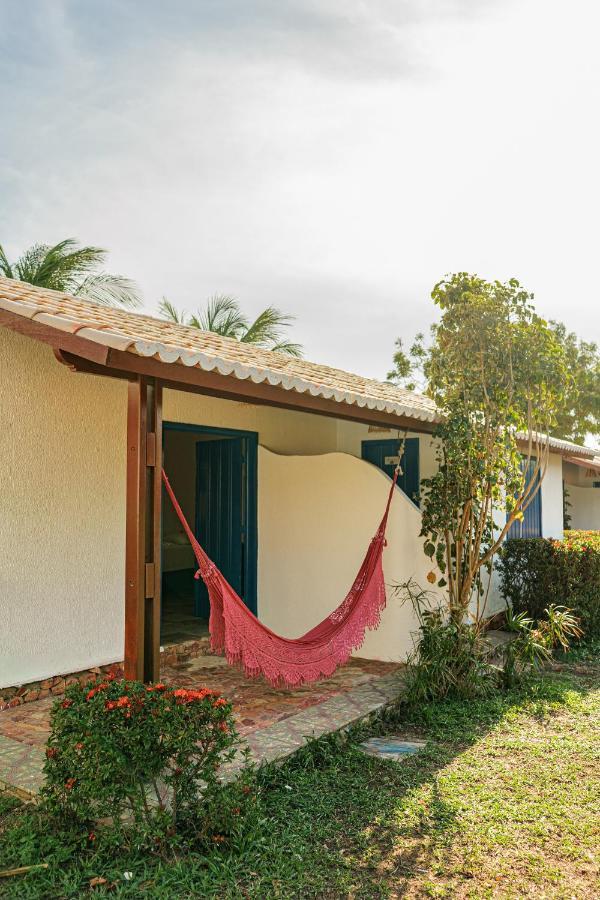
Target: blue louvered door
219	512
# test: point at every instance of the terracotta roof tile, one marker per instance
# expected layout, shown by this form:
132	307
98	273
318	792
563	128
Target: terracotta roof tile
148	336
183	345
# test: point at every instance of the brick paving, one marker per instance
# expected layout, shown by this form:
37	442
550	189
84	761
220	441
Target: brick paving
274	722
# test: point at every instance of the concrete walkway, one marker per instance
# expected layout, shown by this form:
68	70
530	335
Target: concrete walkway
273	723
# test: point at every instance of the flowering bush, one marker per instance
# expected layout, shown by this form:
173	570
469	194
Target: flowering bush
538	572
121	750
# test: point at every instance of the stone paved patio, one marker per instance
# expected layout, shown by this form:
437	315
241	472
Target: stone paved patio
274	722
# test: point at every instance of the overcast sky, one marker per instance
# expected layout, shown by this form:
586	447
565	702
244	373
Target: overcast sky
333	157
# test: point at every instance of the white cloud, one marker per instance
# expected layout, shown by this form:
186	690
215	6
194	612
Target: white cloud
333	158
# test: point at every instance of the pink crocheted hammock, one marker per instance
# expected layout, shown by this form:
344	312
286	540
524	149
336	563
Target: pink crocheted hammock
248	643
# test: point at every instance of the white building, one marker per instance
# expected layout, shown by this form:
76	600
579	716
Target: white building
283	466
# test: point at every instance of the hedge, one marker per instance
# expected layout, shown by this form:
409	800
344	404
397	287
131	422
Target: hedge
535	572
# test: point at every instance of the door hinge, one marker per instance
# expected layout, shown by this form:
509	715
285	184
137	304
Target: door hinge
149	592
151	449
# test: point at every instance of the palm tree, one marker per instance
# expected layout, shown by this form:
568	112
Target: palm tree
222	315
72	269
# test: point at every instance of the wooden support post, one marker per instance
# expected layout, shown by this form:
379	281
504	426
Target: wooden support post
142	540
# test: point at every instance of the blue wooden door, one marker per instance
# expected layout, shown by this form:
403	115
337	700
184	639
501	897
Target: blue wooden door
384	454
220	502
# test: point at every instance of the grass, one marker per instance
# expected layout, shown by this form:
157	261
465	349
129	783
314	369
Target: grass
503	802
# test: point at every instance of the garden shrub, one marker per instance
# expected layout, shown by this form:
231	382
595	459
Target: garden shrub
450	660
532	644
144	755
455	660
538	572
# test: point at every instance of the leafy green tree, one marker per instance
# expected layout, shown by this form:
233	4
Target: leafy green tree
580	415
72	269
408	371
223	315
499	376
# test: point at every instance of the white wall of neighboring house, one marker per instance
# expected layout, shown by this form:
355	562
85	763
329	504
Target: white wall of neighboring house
552	499
585	508
583	497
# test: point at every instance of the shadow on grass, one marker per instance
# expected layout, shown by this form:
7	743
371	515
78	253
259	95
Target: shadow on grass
370	814
329	823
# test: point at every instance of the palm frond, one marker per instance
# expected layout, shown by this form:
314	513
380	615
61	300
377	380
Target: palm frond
170	312
267	326
222	315
109	290
289	348
65	265
5	266
70	268
27	267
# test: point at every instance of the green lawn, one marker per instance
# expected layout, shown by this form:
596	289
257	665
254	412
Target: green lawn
503	802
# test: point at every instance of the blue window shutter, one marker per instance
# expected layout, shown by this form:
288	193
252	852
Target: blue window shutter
531	525
382	451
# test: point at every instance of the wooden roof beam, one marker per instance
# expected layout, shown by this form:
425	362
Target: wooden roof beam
120	364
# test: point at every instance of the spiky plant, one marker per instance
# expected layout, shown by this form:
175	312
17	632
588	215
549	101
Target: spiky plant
222	315
73	269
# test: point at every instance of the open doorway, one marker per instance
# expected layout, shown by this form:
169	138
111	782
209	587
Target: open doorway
213	473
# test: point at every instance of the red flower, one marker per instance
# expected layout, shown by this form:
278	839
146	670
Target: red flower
51	752
96	690
223	726
79	745
156	687
182	695
66	704
220	702
91	837
70	783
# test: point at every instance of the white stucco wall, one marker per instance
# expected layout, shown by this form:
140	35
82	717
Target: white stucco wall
280	430
585	508
317	515
62	515
552	499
